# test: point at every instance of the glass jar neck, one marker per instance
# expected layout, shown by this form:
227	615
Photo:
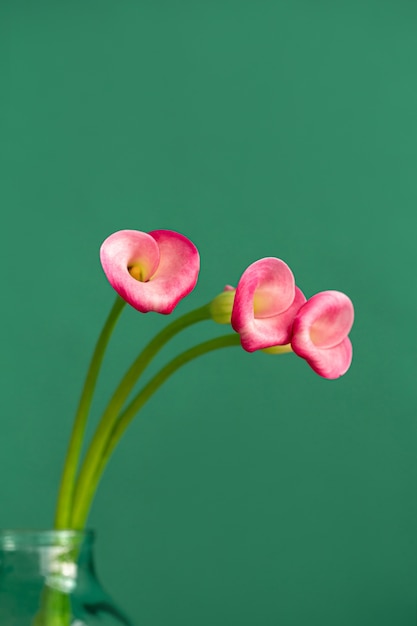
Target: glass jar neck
58	557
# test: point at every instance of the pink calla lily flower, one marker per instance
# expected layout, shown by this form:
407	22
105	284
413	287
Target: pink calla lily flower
151	271
265	304
320	333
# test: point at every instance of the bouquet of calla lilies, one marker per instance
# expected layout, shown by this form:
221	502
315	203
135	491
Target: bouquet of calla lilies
153	272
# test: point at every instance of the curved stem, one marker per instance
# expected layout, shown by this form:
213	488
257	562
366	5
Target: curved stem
111	413
66	490
83	504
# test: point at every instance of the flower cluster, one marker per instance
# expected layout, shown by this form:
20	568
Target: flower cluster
154	271
270	310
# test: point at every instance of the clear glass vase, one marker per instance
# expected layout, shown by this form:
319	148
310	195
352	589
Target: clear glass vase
47	578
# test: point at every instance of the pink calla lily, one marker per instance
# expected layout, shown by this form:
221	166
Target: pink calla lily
265	304
320	333
151	271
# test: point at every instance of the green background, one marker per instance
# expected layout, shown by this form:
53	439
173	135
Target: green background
250	491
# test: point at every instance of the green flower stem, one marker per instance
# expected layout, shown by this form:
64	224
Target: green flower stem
66	490
82	504
55	609
111	413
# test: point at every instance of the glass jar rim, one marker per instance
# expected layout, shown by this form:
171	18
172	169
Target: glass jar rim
30	538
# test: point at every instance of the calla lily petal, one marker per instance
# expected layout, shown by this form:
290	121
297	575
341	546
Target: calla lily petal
266	302
151	271
320	332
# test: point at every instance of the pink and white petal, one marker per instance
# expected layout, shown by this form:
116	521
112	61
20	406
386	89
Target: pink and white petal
123	249
275	290
266	288
271	331
130	247
169	264
177	272
325	319
331	362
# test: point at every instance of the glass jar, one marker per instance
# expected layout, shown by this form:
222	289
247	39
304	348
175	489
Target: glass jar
47	578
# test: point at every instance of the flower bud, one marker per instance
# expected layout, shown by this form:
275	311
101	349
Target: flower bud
222	305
